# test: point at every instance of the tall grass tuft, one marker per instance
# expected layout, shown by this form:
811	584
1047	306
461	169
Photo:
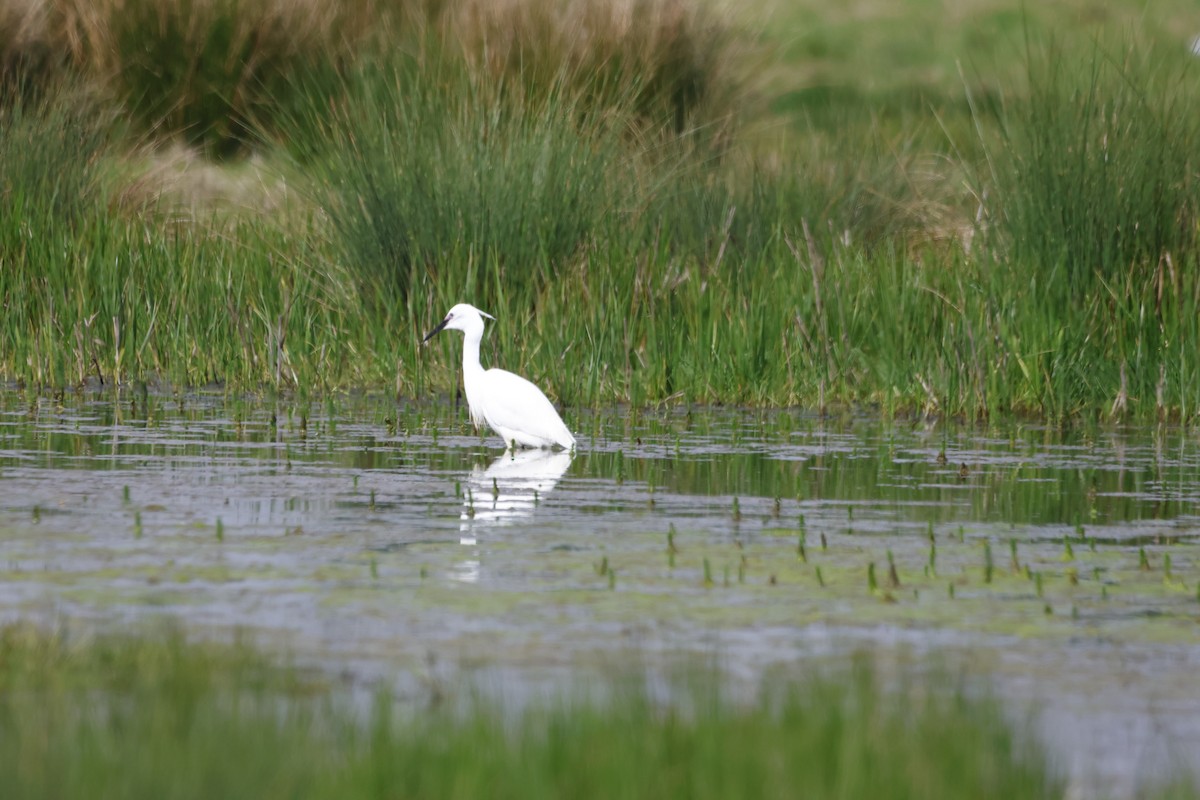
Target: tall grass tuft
1091	228
428	169
1096	171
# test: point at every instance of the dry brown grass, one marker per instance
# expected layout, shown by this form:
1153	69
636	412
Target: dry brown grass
213	69
177	184
199	78
682	65
210	70
25	45
91	30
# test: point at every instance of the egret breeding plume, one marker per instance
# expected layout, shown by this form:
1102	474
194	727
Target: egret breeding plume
510	405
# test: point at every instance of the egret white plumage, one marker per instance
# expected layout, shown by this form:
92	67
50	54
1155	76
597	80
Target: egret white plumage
510	405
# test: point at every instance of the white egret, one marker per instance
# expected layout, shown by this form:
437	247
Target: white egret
510	405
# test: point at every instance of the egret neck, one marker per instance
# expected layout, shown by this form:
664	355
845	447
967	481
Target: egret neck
472	369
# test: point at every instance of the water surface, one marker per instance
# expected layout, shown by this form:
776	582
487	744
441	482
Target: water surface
1056	567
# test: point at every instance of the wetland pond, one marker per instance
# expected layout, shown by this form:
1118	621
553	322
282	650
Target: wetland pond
1057	569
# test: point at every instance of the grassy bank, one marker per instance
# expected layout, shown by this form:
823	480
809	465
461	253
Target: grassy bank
158	717
660	203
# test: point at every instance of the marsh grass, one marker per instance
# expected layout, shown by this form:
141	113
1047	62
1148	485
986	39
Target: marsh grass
423	169
145	304
1092	217
91	295
50	165
157	716
605	179
1096	172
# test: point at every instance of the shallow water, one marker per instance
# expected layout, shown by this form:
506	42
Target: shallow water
385	539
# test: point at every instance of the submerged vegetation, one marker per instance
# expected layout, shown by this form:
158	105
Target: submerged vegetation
660	201
154	717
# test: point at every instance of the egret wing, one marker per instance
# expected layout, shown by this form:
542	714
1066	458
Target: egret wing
513	403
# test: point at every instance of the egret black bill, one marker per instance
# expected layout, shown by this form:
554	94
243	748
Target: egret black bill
435	331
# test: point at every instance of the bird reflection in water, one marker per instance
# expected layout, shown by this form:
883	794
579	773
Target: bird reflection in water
511	486
507	491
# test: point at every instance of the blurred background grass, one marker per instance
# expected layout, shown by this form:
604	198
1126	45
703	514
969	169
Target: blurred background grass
158	716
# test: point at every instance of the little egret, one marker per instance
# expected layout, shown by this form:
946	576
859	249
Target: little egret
511	406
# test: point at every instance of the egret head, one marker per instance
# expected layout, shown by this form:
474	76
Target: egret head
463	317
